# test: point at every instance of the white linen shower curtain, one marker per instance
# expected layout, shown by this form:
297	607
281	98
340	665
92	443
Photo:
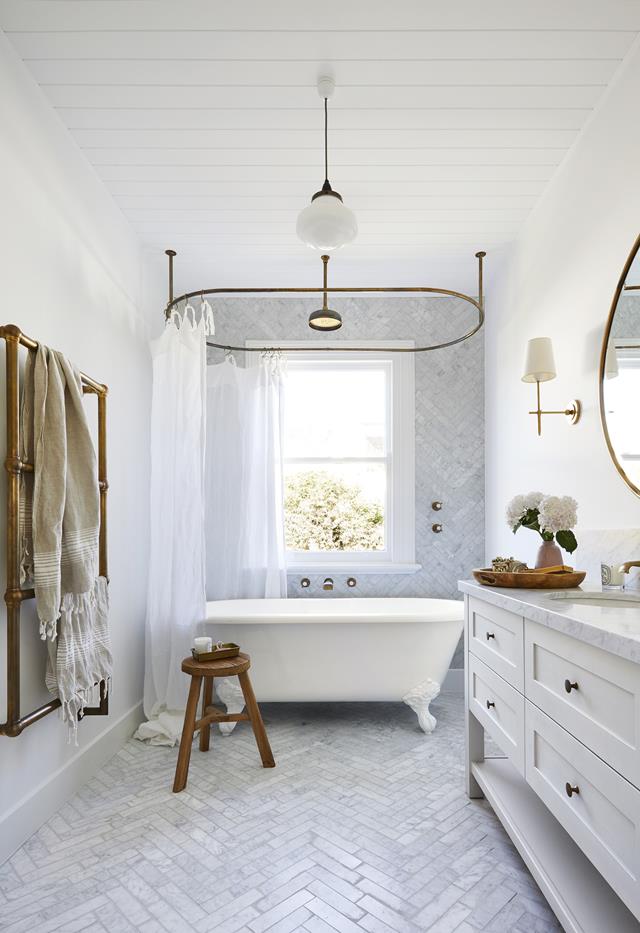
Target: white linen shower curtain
176	587
234	503
243	479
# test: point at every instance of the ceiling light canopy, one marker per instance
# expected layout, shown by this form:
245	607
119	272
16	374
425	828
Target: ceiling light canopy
326	223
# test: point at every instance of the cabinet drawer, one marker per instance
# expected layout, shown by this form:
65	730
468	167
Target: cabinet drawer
595	695
602	816
496	637
499	708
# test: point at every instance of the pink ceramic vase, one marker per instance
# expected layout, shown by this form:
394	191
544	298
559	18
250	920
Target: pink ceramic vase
549	555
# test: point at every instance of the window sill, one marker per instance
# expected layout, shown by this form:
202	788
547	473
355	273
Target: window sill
310	567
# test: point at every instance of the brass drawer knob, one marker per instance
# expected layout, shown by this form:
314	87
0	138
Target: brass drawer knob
490	635
569	686
436	528
571	790
490	703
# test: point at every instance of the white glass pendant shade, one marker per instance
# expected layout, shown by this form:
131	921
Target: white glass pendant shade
326	223
539	364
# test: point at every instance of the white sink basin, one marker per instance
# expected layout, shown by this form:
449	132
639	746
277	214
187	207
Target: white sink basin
604	600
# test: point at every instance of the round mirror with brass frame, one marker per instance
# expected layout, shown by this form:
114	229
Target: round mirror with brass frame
620	374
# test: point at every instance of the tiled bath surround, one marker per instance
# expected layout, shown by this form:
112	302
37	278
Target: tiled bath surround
449	425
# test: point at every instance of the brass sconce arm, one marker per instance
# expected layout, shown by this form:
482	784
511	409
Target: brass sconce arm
573	413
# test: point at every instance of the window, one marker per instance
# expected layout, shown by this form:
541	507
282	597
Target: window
622	388
348	444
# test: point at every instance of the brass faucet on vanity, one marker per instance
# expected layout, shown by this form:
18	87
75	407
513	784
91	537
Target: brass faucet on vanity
626	567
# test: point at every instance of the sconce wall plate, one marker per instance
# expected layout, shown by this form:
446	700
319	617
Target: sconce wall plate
573	412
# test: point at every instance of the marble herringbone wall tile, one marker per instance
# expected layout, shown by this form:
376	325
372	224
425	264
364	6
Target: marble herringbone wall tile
449	425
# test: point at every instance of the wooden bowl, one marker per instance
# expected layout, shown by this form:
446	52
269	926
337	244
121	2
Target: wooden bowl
529	579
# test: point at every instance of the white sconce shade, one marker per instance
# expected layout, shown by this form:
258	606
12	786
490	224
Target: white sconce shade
539	364
611	370
326	223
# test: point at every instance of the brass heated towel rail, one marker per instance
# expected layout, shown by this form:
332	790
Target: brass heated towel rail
14	465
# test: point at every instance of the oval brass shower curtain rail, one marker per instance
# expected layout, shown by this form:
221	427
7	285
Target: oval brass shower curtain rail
478	304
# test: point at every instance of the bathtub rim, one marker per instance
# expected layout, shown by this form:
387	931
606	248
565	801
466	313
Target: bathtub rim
335	610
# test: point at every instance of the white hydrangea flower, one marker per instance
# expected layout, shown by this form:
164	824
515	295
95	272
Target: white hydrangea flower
558	513
533	499
521	504
515	510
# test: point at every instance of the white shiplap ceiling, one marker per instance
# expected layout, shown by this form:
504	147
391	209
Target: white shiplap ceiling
203	120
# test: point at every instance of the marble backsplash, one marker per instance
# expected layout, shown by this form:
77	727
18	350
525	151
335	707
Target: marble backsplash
609	546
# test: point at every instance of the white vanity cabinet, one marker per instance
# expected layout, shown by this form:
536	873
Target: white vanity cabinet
564	712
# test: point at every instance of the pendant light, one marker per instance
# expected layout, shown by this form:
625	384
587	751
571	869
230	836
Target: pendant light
325	319
326	223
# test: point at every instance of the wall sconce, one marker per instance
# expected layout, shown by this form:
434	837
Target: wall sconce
540	366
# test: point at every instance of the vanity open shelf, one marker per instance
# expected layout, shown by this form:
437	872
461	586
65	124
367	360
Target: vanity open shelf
577	892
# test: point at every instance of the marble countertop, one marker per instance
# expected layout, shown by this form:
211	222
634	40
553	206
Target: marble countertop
611	628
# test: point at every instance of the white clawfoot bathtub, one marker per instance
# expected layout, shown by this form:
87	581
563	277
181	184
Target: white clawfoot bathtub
340	649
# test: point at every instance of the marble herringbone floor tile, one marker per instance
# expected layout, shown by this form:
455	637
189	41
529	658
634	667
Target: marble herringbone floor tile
362	826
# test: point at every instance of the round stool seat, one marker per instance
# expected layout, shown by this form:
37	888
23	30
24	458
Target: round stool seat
226	667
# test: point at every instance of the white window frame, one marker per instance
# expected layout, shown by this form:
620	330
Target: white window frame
629	358
399	553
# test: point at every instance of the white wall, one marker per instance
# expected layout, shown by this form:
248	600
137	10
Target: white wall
559	281
70	278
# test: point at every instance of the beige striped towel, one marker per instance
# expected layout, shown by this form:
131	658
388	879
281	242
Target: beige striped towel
60	515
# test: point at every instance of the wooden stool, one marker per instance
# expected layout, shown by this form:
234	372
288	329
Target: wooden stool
230	667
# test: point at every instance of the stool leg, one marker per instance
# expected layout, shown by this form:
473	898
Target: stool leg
184	755
256	721
207	698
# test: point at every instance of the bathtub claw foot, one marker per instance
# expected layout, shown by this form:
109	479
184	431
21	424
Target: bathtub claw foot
231	695
419	698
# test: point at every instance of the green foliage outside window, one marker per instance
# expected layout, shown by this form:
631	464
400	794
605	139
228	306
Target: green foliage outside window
323	513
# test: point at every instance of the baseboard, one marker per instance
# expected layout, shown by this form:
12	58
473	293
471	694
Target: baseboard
37	807
454	681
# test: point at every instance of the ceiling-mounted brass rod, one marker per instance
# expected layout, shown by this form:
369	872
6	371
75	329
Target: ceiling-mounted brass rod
170	253
325	262
480	257
478	304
